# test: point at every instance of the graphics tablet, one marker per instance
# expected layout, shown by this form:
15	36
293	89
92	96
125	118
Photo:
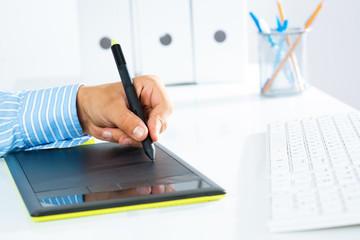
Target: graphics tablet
104	178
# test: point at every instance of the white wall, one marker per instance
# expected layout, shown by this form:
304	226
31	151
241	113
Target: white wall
334	43
39	44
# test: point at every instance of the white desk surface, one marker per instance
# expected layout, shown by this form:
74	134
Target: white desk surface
220	130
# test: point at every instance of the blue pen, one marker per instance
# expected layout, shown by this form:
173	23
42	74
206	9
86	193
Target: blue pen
279	54
281	27
256	21
266	29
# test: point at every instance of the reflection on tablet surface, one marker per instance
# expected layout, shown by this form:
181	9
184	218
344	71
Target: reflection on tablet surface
125	193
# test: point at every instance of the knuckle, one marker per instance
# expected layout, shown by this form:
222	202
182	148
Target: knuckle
155	78
163	127
170	107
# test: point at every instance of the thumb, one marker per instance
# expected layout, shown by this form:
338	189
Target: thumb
130	124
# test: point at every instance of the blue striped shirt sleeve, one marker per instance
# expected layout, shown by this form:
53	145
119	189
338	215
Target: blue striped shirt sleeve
64	200
39	119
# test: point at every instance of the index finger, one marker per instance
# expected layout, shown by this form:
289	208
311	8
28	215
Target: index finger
155	99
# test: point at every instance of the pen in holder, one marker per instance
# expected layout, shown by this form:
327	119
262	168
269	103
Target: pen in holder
283	62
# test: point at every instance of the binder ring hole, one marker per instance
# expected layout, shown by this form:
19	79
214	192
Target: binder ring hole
166	39
220	36
105	43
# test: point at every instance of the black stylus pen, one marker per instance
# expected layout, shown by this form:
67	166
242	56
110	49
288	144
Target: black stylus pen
132	98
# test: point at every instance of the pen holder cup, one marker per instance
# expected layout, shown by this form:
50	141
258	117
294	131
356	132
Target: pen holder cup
283	62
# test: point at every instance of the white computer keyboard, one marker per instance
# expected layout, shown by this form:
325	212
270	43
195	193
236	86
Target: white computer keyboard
314	172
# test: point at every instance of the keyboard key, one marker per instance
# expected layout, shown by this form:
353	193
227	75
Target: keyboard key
305	203
324	179
351	196
301	181
330	201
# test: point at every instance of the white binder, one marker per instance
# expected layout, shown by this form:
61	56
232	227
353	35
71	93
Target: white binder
163	39
219	34
101	21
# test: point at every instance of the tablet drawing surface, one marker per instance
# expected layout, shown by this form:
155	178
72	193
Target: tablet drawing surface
85	178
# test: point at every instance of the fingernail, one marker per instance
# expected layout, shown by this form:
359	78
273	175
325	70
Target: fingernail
143	190
161	188
138	132
126	141
107	134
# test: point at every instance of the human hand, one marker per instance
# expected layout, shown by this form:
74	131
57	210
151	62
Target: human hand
131	192
104	113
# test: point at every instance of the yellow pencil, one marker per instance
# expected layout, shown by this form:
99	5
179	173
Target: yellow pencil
281	11
311	19
281	65
294	61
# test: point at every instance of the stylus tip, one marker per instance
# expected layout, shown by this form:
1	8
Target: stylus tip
150	152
